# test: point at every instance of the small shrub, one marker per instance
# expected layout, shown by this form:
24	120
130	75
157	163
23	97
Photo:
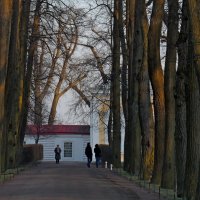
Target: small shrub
32	153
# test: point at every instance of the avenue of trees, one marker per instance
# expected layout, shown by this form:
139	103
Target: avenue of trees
146	52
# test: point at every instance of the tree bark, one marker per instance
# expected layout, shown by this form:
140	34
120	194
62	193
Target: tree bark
24	42
180	99
124	71
157	81
168	173
193	127
194	17
28	75
116	147
128	145
5	30
134	123
13	92
144	101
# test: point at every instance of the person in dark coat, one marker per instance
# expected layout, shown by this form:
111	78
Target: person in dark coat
97	152
88	153
57	152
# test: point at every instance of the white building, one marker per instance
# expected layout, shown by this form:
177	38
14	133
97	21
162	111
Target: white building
72	140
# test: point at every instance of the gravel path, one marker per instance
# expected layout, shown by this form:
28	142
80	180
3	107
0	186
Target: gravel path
71	181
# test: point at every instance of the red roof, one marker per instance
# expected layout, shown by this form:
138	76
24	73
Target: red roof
58	129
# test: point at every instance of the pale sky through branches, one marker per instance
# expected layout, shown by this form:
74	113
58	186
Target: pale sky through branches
65	114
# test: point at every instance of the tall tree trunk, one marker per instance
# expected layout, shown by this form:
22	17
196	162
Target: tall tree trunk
168	174
23	42
124	81
13	93
157	81
194	16
144	99
124	70
135	128
5	30
37	71
180	109
31	52
128	145
116	147
193	127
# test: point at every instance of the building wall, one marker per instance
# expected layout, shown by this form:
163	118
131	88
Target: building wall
49	142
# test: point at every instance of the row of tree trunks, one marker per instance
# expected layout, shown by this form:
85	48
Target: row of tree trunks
169	112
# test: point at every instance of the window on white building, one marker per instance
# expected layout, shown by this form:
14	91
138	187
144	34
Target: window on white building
68	149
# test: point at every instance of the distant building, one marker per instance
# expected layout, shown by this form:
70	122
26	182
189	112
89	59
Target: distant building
72	139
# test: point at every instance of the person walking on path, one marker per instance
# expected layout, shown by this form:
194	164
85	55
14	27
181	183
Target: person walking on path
88	153
57	152
97	152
